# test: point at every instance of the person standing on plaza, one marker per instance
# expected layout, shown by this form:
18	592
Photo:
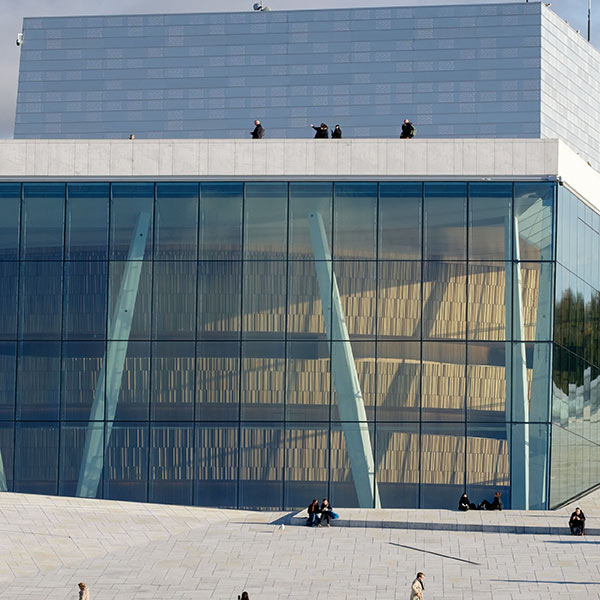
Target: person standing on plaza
408	130
336	134
417	588
259	131
84	592
322	131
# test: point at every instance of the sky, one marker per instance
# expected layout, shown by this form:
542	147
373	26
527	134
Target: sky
13	11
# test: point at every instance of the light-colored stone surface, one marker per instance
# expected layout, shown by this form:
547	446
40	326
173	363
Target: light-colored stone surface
144	551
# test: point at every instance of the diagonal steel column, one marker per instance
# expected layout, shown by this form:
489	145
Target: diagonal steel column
3	484
109	380
343	368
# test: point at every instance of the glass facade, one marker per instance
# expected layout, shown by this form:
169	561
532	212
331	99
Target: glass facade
259	344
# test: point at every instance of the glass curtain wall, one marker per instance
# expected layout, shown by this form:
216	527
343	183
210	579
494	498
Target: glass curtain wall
259	344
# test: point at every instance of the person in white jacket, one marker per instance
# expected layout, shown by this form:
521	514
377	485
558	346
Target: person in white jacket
416	590
84	592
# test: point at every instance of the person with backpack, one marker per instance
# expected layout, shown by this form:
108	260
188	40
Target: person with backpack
408	130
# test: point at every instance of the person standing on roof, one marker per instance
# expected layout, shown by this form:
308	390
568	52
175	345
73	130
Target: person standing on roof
259	131
408	130
322	131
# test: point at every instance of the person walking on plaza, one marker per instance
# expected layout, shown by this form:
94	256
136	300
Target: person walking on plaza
577	522
408	130
259	131
417	588
336	134
322	131
84	592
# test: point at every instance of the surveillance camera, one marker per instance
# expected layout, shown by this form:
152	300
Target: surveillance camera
19	39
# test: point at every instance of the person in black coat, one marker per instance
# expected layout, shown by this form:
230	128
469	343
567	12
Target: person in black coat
313	513
577	522
326	511
495	504
408	130
465	504
322	131
258	132
336	134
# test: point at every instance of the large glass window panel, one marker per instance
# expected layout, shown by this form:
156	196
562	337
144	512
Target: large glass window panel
400	220
129	289
444	300
174	300
397	464
445	221
82	368
487	383
532	440
363	354
566	228
176	228
8	364
265	221
308	381
126	462
565	310
38	381
534	210
42	221
488	312
357	285
36	458
132	397
399	300
171	463
442	464
173	381
217	381
219	299
488	462
305	317
531	367
73	438
343	485
216	460
398	382
85	284
10	204
9	277
532	301
7	451
131	220
591	326
221	221
87	221
264	299
306	463
443	381
355	220
307	199
490	221
40	300
263	380
261	465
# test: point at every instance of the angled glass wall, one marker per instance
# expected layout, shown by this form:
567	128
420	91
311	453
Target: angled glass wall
259	344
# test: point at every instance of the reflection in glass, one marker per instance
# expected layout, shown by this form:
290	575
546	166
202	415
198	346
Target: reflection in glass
398	465
221	221
9	276
36	458
532	301
308	381
399	300
126	462
176	221
355	220
7	380
487	382
7	445
171	463
38	381
531	364
490	221
488	313
10	200
261	465
172	381
398	381
357	285
42	221
216	471
265	221
306	463
536	455
445	221
534	208
307	198
87	221
217	381
81	370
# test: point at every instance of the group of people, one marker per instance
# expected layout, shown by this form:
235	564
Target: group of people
322	131
465	504
319	514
